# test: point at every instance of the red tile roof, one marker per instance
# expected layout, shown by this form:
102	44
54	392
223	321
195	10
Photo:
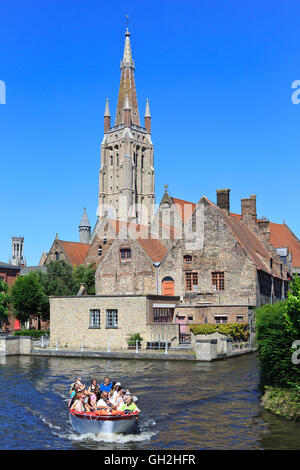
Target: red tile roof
76	252
154	248
281	236
184	208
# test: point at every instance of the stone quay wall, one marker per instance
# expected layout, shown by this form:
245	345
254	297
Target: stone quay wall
14	345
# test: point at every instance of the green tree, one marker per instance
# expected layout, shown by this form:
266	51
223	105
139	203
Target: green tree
4	301
27	297
277	327
58	278
86	275
292	307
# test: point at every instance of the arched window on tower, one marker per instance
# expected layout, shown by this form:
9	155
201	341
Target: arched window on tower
100	251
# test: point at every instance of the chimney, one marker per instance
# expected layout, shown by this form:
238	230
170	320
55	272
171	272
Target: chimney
223	199
248	209
264	227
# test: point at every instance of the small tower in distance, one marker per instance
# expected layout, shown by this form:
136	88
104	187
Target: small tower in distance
17	251
84	229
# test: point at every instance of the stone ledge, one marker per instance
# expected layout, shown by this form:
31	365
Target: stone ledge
113	355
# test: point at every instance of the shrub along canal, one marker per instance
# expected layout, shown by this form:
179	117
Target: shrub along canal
185	405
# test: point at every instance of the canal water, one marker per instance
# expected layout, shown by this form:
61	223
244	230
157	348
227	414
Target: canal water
185	405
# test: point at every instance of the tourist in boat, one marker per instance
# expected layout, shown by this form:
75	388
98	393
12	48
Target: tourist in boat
111	392
76	389
93	398
114	392
76	383
103	403
78	404
120	399
114	399
94	387
106	385
129	405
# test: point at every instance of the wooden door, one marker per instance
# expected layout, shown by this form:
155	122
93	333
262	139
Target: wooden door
168	286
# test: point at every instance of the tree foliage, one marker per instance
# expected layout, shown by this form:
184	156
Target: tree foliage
277	327
58	278
27	296
85	274
30	293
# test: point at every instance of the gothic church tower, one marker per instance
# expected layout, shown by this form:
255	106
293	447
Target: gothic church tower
126	181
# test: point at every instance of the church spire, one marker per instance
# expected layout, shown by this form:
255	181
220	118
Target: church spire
127	86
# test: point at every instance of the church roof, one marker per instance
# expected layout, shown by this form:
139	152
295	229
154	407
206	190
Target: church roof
76	252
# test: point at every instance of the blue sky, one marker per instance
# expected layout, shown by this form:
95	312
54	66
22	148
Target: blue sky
218	74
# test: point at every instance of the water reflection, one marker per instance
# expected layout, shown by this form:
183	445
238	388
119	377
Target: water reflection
186	405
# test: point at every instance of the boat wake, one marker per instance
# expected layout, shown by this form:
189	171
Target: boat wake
112	438
42	418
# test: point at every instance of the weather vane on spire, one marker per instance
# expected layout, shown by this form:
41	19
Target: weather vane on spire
127	21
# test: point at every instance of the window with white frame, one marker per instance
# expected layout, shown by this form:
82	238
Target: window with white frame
221	318
95	318
111	318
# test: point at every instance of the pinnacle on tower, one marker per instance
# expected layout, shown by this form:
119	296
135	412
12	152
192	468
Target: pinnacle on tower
106	117
147	110
106	112
148	117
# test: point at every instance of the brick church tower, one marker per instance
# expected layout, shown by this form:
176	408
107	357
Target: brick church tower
126	180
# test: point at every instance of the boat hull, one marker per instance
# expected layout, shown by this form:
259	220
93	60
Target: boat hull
85	423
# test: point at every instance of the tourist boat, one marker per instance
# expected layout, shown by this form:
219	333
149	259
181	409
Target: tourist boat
103	421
